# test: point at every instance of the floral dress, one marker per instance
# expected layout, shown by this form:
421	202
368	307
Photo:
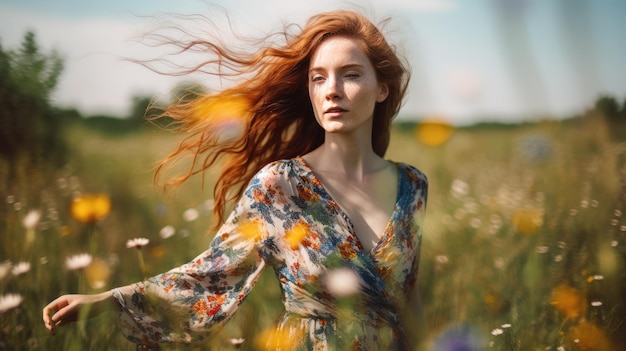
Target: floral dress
288	221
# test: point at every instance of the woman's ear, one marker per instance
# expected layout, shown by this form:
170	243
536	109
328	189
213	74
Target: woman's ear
383	92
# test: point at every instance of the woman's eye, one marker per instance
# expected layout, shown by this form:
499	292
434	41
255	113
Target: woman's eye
317	78
352	75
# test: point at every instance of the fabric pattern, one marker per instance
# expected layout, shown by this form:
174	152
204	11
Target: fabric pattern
288	221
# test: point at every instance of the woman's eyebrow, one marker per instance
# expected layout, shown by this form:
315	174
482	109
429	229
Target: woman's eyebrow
343	67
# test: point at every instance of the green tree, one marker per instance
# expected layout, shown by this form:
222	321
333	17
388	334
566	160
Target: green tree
610	107
30	135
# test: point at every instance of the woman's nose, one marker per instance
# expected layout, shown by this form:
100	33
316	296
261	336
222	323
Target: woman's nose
333	89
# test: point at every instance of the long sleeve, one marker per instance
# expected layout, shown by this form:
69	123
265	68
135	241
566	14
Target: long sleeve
190	301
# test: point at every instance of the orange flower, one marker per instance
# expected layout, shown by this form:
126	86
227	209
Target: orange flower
569	302
89	208
589	336
296	234
527	220
434	132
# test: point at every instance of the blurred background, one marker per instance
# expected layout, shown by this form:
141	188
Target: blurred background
516	112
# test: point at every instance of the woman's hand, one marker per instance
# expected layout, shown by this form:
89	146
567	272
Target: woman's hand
67	308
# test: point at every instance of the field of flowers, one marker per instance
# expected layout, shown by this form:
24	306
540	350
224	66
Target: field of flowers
524	243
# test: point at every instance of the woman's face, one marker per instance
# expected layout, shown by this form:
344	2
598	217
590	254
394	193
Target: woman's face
342	86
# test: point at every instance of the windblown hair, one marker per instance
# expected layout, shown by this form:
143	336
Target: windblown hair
279	121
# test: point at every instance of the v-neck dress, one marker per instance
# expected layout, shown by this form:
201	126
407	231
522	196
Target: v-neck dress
287	220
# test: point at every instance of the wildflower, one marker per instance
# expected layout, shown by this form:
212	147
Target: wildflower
596	303
595	277
497	332
78	261
434	132
10	301
569	302
459	187
97	274
342	282
20	268
527	220
459	337
158	251
31	219
226	114
589	336
443	259
137	242
89	208
167	231
275	339
237	342
505	326
191	215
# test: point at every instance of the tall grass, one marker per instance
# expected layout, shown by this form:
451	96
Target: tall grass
524	244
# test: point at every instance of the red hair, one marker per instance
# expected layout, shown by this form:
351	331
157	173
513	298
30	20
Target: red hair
279	122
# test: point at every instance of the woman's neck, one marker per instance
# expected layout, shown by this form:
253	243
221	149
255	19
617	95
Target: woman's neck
341	154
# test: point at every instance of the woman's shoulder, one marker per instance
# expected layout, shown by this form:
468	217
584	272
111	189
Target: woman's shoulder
413	173
279	170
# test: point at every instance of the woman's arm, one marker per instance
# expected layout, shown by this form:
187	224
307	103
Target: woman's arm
69	308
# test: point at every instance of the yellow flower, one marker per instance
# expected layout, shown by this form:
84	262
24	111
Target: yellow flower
284	339
527	220
88	208
296	234
433	132
569	302
97	273
226	114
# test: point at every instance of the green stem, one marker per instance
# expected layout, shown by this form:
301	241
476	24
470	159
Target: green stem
142	264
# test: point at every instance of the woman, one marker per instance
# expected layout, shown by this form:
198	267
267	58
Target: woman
319	198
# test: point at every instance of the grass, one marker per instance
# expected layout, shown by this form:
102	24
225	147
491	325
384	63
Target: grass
524	243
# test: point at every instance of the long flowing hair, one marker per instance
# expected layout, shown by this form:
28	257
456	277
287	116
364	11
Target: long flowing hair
272	102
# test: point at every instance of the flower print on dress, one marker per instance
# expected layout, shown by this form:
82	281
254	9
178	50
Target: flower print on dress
286	220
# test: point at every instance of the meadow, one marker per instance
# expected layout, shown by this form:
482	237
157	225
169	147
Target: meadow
524	243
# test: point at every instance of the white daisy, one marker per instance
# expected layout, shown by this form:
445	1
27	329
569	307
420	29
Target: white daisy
497	332
20	268
191	215
31	219
10	301
167	231
78	261
137	243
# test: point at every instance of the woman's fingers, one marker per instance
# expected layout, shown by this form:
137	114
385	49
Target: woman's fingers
55	312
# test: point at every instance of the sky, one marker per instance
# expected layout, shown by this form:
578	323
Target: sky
471	60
